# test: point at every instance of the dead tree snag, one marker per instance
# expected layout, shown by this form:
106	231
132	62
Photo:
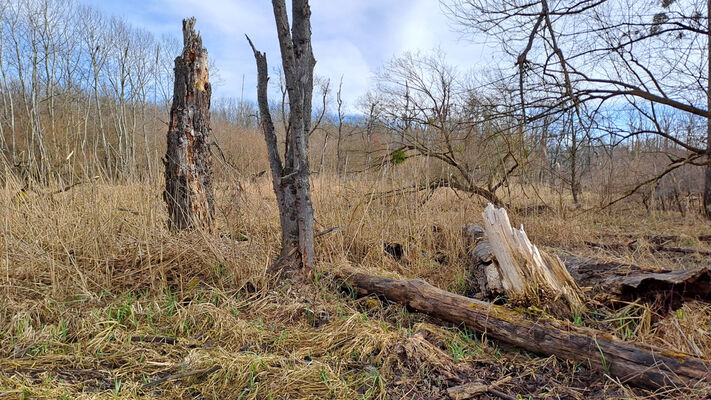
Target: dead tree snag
188	160
290	177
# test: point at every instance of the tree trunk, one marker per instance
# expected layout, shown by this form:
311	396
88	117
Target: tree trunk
707	183
188	159
632	363
283	188
339	101
290	179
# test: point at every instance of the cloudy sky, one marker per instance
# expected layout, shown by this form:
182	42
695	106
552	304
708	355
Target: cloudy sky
351	38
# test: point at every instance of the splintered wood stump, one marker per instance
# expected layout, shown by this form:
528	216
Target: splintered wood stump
188	160
632	363
526	274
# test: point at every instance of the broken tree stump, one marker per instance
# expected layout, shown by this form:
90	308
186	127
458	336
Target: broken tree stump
632	363
484	282
188	159
526	274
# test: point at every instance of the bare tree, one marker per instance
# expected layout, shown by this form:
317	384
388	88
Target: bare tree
431	113
290	177
339	143
188	159
599	56
78	90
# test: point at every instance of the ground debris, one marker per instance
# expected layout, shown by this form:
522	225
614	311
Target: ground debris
667	288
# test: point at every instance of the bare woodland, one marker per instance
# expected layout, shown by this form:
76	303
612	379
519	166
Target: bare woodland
538	228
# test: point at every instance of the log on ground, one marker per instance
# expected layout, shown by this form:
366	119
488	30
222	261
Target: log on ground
632	363
666	289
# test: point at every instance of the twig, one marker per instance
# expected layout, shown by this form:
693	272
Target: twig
181	375
500	394
470	390
281	259
65	189
154	339
327	231
128	211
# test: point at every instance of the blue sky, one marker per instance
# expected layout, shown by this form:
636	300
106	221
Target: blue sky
352	38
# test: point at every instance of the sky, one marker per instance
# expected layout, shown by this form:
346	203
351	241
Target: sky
351	38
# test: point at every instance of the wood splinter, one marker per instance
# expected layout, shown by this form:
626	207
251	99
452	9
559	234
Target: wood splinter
525	273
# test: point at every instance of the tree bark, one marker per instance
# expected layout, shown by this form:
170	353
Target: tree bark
290	178
188	160
632	363
707	181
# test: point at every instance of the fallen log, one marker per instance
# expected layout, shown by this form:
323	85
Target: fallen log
632	363
668	289
634	246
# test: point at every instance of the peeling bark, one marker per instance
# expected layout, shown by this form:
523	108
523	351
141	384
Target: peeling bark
188	159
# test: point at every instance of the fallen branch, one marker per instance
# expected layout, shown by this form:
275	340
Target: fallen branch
469	390
154	339
633	363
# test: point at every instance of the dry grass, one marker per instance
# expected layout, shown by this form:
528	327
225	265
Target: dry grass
91	280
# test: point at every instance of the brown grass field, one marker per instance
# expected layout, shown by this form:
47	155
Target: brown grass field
98	299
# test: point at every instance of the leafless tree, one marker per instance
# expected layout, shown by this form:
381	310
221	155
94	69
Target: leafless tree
290	177
430	112
603	58
339	143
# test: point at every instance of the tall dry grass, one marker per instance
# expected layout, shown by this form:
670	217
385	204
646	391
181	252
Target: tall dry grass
91	281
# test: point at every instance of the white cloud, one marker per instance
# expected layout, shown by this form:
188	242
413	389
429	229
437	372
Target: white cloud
351	38
337	58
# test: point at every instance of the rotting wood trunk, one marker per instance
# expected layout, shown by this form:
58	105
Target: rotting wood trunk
525	273
188	160
664	290
632	363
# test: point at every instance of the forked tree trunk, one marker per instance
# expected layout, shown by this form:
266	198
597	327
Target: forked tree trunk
188	160
290	178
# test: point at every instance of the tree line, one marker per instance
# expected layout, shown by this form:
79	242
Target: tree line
584	90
